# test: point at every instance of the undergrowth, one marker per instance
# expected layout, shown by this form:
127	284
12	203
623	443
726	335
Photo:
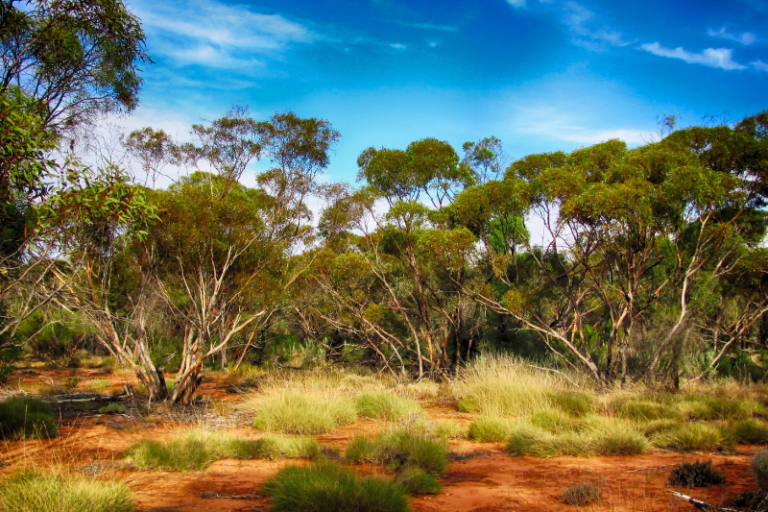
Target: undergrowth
24	418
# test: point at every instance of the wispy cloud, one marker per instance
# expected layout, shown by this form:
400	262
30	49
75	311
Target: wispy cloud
587	28
759	65
398	46
714	57
516	3
431	26
211	33
745	38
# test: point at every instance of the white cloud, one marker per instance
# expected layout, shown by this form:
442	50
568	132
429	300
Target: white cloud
433	44
745	38
516	3
211	33
714	57
398	46
430	26
587	29
759	65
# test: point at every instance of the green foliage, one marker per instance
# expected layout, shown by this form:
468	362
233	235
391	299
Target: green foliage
293	413
417	481
688	437
330	488
401	447
23	418
581	495
272	447
197	449
750	431
646	410
33	491
386	405
697	474
113	408
489	429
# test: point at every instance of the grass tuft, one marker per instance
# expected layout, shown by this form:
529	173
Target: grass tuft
271	447
417	481
646	410
760	469
581	495
750	432
401	448
689	437
385	405
486	429
294	413
24	418
697	474
32	491
113	408
97	385
330	488
573	402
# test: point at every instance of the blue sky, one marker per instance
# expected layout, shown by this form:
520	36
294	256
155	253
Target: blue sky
540	75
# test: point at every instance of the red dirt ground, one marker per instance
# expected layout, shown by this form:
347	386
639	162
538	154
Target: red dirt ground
482	479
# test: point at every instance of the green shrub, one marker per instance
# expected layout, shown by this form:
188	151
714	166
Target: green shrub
750	432
698	474
270	447
298	414
196	449
486	429
581	495
386	405
32	491
760	469
417	481
690	437
573	402
113	408
330	488
401	447
23	418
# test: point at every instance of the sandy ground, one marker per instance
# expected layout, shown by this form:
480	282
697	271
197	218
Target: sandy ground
480	479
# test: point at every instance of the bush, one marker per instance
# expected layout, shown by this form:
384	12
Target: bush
485	429
386	405
298	414
196	449
113	408
750	432
417	481
698	474
401	447
581	494
330	488
691	437
32	491
23	418
760	469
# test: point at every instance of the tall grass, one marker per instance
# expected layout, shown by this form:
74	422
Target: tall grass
330	488
272	447
23	417
294	413
385	405
401	447
32	491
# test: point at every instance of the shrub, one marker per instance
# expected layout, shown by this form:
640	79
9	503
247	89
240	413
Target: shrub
573	402
698	474
298	414
386	405
32	491
690	437
418	481
401	447
330	488
23	417
486	429
581	494
196	449
113	408
760	469
270	447
750	432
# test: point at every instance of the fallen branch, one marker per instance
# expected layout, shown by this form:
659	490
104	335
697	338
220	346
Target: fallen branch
703	505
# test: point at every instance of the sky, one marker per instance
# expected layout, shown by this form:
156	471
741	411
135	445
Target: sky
541	75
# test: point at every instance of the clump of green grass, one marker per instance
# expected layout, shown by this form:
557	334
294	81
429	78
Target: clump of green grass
97	385
294	413
656	427
486	429
573	402
417	481
689	437
32	491
271	447
750	432
697	474
113	408
196	449
401	448
759	468
699	407
330	488
646	410
448	430
581	495
24	418
555	421
385	405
